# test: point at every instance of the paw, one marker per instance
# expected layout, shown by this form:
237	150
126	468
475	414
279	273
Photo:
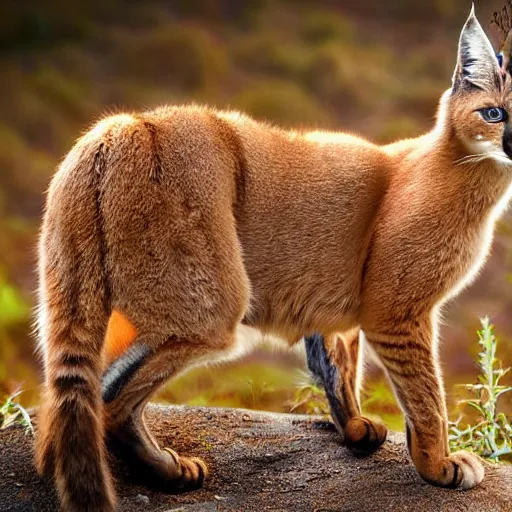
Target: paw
460	470
465	469
362	436
188	474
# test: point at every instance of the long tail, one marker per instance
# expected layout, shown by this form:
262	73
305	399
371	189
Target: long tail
73	313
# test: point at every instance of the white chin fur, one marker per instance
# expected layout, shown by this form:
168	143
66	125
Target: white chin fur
484	149
501	157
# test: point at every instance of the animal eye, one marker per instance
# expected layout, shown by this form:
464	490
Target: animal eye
492	114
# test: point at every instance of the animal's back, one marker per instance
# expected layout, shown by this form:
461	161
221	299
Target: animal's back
308	197
190	165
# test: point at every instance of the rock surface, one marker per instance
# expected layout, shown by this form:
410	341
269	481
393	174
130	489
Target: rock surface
263	461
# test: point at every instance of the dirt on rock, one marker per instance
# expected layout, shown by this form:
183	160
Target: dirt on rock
258	462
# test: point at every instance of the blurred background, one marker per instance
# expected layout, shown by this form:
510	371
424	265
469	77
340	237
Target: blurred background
371	67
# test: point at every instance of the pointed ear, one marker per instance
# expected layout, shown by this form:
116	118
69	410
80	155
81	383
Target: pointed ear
477	65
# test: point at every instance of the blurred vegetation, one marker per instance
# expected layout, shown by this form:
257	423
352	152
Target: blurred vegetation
377	402
311	399
375	68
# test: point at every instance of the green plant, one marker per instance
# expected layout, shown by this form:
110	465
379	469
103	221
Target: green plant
310	399
12	413
491	435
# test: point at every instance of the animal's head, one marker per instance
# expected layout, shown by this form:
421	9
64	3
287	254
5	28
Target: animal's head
480	103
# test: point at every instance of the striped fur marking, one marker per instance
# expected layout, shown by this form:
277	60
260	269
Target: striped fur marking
326	373
121	333
121	370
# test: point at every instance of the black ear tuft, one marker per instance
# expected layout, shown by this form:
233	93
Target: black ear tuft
477	65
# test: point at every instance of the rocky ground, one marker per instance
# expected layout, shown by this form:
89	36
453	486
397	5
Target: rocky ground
262	462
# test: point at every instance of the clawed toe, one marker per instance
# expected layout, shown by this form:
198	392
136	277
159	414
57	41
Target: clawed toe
194	471
470	470
189	474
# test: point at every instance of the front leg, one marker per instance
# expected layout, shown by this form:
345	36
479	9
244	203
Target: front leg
408	354
335	361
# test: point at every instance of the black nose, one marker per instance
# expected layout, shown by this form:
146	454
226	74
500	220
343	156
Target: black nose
507	140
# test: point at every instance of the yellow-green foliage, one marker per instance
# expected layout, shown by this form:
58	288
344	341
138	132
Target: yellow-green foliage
398	126
270	54
310	399
13	321
377	402
253	384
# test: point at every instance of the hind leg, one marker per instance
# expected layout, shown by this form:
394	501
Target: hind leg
141	353
178	278
336	361
179	284
163	467
126	393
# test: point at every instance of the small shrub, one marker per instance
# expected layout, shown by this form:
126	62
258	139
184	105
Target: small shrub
491	435
12	413
310	399
378	403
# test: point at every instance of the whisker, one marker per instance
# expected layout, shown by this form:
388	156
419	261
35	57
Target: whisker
479	157
502	158
470	157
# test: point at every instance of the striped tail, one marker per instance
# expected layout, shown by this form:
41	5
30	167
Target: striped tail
73	313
